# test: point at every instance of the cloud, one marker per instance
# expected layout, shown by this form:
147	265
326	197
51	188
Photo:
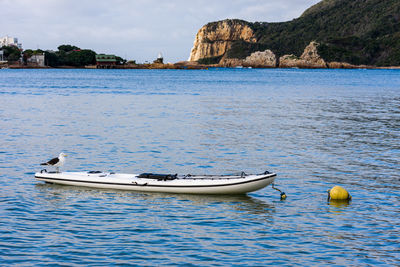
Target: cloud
136	29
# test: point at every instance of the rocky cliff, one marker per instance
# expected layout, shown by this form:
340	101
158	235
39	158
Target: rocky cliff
357	32
215	39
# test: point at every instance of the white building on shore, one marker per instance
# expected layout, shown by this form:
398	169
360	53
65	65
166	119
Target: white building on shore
10	41
38	59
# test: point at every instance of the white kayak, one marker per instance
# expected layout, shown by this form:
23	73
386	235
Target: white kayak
168	183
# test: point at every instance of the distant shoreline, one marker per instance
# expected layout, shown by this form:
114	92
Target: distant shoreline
184	65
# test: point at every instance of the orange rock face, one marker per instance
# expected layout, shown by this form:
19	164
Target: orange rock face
214	39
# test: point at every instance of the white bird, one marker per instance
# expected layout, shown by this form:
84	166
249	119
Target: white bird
56	162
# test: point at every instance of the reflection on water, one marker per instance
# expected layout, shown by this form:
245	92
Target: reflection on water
339	203
63	195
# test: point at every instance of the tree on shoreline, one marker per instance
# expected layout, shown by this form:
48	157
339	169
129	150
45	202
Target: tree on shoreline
11	53
69	55
66	55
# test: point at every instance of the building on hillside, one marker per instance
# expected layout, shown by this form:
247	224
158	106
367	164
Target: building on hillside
38	59
106	61
10	41
159	59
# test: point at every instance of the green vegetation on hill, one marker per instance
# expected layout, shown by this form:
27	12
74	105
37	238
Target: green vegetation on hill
353	31
68	55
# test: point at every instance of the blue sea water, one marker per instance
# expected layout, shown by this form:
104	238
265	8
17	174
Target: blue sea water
314	128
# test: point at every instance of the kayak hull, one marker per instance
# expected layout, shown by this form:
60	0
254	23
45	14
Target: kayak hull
181	184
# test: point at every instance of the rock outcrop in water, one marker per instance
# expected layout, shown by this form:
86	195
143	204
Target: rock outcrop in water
259	59
264	59
214	40
309	59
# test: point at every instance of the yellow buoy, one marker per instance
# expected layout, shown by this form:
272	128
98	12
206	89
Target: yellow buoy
338	193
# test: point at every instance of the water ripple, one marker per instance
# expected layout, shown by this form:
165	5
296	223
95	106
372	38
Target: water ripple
314	128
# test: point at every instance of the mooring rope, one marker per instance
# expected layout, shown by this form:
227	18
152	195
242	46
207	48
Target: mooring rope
283	195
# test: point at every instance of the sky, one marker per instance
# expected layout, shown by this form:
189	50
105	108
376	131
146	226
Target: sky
132	29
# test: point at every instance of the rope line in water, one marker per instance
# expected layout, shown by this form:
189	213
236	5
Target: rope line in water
283	195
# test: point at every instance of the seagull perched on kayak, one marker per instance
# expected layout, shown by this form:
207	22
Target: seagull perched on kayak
56	162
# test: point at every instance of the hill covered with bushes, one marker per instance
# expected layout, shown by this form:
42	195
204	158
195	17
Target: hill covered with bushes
354	31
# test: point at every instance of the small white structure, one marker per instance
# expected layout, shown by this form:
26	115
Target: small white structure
10	41
1	56
159	59
38	59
